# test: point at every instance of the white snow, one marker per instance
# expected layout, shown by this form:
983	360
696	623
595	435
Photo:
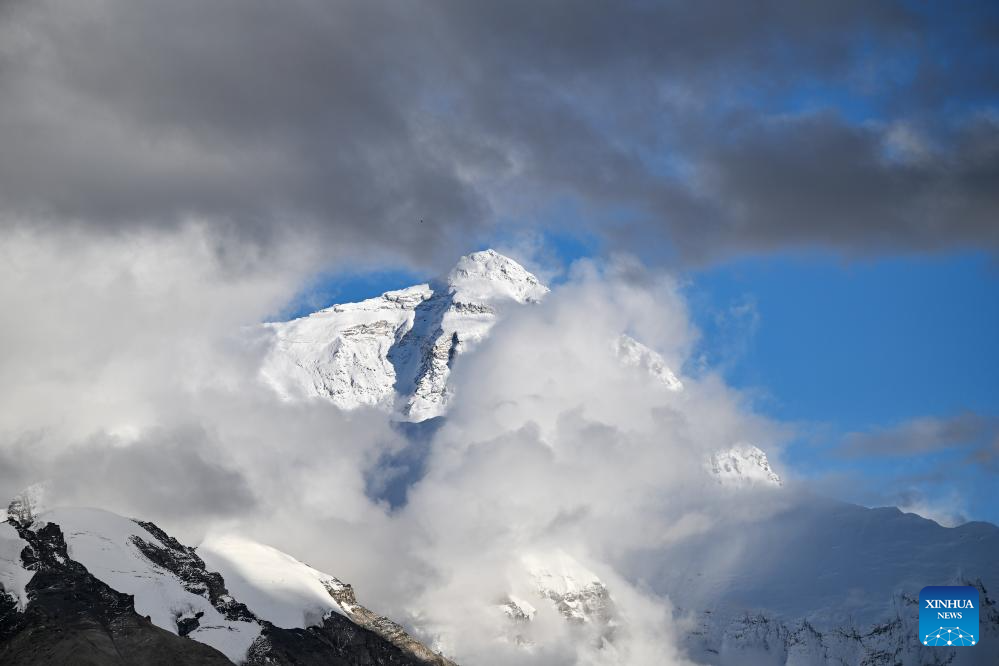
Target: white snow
275	586
519	607
486	276
633	353
395	351
743	465
101	541
559	573
341	353
13	576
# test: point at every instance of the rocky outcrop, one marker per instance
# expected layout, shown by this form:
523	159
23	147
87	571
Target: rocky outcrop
184	563
384	627
743	465
73	617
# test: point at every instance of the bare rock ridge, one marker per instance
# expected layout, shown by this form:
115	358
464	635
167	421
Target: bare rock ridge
85	586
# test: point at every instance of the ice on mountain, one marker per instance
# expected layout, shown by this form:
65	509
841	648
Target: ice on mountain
395	351
13	576
275	586
741	465
633	353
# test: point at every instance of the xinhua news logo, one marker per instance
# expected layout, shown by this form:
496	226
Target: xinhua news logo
948	616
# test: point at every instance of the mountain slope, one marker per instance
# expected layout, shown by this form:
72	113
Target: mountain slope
395	351
821	584
110	590
839	579
72	617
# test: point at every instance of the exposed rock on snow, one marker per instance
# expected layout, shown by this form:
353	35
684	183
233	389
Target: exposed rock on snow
99	588
292	595
756	637
73	617
577	593
742	465
169	582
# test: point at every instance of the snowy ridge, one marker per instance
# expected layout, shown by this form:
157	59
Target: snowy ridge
294	611
13	576
562	581
487	276
395	351
743	465
577	593
275	586
634	353
107	545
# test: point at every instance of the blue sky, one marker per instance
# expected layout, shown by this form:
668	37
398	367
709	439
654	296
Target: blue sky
864	346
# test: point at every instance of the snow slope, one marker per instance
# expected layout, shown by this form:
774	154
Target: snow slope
293	612
743	465
395	351
275	586
577	593
13	575
106	544
633	353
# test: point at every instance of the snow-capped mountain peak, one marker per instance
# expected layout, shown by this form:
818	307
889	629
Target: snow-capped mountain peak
743	464
395	351
485	276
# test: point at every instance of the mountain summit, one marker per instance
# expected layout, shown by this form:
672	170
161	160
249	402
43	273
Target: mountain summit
395	351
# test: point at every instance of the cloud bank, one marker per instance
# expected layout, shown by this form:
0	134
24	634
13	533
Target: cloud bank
132	385
349	123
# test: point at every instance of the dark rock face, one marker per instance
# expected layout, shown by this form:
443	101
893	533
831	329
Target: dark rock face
386	628
186	565
73	618
338	642
368	639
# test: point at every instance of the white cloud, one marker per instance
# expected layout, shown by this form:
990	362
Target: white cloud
130	383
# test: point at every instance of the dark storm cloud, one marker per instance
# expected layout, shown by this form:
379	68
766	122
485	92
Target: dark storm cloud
352	121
